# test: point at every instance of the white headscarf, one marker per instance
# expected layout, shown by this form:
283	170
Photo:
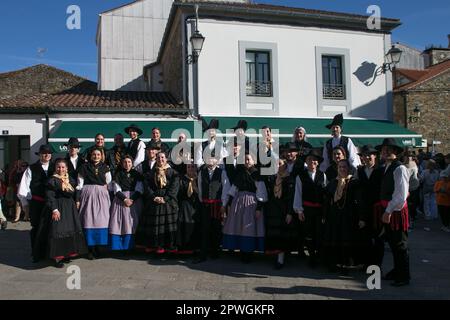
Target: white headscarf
302	129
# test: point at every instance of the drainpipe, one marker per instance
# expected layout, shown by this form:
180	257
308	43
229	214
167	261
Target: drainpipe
47	126
405	107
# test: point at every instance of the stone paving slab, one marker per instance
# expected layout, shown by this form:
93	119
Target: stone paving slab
146	277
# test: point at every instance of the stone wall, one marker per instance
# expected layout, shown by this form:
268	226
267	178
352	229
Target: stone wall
433	99
172	64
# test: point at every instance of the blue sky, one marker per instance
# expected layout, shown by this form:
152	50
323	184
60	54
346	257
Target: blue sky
26	25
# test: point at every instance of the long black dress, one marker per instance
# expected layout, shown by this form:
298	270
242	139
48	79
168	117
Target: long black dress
65	237
158	226
279	235
189	206
341	223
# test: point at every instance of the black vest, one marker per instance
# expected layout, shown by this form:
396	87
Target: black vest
132	148
211	189
388	183
312	191
73	172
146	166
342	143
39	178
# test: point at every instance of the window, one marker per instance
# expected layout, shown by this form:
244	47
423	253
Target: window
332	77
258	73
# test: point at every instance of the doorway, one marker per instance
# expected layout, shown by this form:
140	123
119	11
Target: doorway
13	148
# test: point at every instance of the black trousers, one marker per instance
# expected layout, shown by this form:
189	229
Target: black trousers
312	227
398	242
210	232
37	249
413	203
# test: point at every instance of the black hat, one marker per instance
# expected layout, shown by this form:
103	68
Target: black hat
316	154
153	145
135	127
242	124
213	124
44	148
73	142
390	142
290	146
338	120
368	149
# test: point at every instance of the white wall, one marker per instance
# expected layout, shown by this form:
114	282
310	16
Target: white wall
219	67
25	125
129	39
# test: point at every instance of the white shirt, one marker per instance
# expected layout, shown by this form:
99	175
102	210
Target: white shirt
140	155
401	180
223	180
298	195
353	157
211	146
139	168
24	192
74	161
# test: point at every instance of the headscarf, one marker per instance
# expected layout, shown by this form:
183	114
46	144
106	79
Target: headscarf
160	178
65	182
341	187
192	186
295	131
278	188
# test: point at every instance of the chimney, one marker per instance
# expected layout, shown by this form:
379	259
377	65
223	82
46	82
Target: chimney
448	36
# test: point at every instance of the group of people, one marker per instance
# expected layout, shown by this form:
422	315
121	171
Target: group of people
338	205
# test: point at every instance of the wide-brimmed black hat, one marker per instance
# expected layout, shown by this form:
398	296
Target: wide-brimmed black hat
368	149
316	154
338	120
290	146
73	142
213	124
134	127
242	124
153	145
45	148
390	142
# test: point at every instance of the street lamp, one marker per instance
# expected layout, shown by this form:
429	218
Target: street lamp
416	114
196	40
392	58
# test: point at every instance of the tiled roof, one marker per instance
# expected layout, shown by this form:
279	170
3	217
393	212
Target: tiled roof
428	74
42	87
79	101
411	74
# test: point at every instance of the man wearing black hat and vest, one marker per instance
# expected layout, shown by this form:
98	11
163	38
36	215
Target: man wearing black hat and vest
339	140
308	201
152	148
392	211
32	195
211	144
239	131
136	147
73	158
369	176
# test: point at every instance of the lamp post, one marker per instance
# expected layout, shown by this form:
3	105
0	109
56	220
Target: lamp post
196	41
392	58
415	115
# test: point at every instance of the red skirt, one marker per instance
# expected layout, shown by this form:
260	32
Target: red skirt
399	219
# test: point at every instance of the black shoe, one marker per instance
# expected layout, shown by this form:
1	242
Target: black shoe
278	265
246	258
199	260
96	252
390	275
34	259
400	283
4	224
90	256
59	264
66	260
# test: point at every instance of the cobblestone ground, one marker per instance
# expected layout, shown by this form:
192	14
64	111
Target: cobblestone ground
146	277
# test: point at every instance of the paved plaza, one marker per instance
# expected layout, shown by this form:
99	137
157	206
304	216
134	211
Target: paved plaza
146	277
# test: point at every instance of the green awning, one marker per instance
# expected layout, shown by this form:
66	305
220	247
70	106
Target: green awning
85	131
361	131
